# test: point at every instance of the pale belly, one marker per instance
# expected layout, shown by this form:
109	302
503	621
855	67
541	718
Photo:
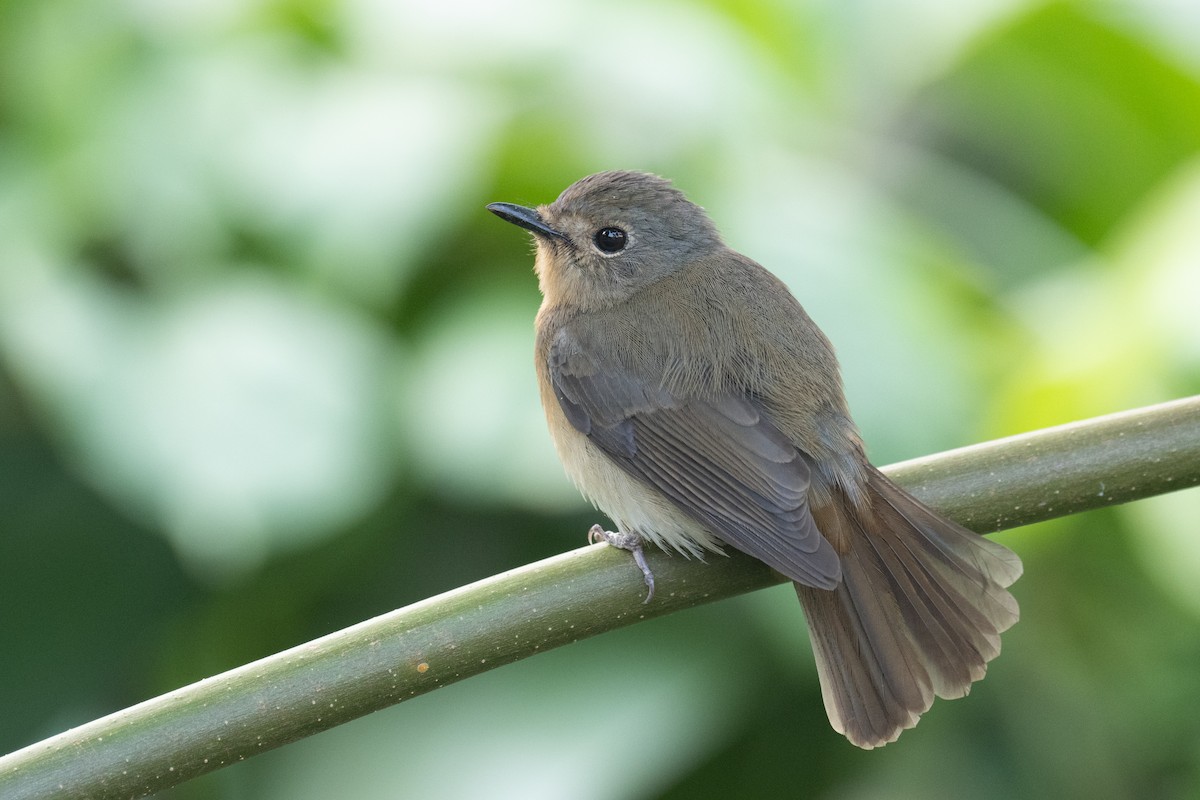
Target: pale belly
633	506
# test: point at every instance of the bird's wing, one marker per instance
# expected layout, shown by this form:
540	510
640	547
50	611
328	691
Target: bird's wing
720	459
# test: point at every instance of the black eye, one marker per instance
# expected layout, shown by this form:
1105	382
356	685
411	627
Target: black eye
610	240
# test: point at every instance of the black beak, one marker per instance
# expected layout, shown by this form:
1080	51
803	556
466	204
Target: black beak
527	218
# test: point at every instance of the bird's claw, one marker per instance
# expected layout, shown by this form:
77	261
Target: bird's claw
626	541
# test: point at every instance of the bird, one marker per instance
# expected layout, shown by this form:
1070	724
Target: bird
693	400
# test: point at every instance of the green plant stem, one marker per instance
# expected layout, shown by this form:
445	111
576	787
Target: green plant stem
507	617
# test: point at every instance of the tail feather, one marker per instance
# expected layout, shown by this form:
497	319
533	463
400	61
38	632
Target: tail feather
919	612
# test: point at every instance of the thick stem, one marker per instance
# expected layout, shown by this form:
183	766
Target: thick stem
227	718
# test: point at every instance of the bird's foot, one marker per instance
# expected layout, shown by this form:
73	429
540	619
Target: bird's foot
626	541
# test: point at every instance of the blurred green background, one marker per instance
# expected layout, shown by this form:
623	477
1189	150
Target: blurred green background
265	362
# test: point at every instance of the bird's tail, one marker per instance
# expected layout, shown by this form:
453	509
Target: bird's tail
918	613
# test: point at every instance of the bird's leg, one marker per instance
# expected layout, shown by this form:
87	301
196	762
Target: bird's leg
626	541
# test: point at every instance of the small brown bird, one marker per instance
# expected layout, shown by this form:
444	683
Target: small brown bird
693	400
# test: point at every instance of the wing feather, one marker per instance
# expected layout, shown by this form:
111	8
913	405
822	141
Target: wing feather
720	459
